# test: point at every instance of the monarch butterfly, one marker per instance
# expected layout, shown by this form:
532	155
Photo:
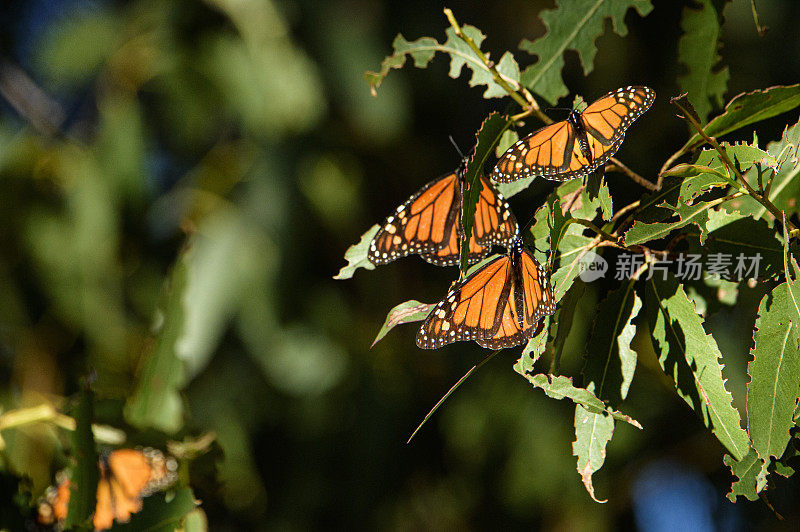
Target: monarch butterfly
429	223
126	475
577	146
499	305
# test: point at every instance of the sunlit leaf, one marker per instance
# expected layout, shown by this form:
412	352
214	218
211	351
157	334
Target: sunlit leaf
592	434
691	358
698	48
356	255
696	214
423	50
774	388
572	25
784	190
751	473
533	349
748	108
407	312
561	387
597	189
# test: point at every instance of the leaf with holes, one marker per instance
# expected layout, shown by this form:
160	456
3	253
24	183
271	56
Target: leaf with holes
561	387
423	50
573	25
357	255
774	388
751	473
533	349
691	358
592	434
784	189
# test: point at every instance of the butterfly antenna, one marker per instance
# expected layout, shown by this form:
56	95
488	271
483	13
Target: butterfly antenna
453	142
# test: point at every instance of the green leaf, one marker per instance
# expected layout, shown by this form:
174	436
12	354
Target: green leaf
697	214
561	387
698	50
773	391
709	172
564	318
506	141
486	138
610	361
592	434
752	476
692	359
597	189
84	476
356	255
156	401
573	25
407	312
533	349
743	239
774	388
785	188
748	108
161	512
423	50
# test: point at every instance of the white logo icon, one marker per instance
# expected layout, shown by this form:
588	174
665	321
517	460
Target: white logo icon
592	267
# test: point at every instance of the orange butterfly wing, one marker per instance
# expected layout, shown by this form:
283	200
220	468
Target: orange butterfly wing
429	223
494	224
468	311
546	152
129	475
126	476
420	225
498	306
554	152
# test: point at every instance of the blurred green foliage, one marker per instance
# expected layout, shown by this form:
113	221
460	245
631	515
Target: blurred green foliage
178	191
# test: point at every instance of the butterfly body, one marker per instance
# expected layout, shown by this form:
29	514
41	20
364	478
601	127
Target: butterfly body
498	305
429	223
579	145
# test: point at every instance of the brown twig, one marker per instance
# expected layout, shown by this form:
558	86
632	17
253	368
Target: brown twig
616	164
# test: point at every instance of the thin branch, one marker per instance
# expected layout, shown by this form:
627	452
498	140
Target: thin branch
616	164
746	188
505	83
472	370
597	230
672	158
623	210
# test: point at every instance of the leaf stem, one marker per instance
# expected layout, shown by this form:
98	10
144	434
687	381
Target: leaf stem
451	390
590	225
636	178
518	93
